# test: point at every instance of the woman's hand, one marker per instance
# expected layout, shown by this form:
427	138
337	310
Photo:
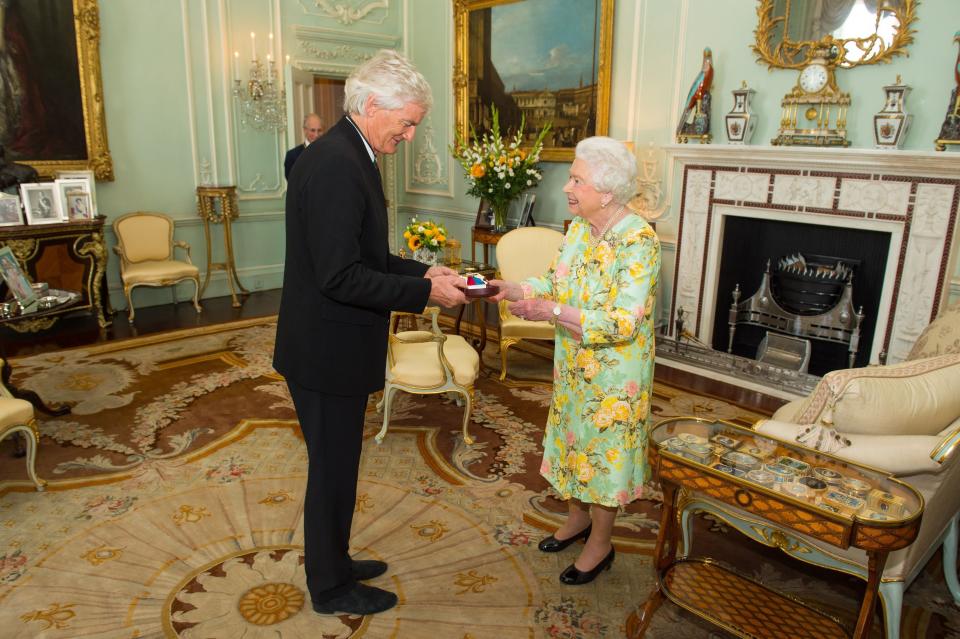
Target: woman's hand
533	309
510	291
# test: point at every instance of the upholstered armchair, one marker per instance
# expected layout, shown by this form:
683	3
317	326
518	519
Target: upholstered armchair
523	253
902	418
16	416
146	250
427	362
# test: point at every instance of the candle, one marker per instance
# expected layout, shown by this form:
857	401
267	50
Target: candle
236	66
253	44
288	59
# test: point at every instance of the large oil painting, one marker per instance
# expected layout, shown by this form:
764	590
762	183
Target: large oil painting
51	103
536	61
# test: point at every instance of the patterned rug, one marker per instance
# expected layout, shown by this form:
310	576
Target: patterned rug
175	502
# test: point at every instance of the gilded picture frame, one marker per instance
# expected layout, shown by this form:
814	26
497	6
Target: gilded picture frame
52	56
554	88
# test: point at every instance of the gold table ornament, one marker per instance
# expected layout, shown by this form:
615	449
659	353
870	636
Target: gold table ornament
218	205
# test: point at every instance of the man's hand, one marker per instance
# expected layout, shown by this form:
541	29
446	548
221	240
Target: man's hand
510	291
447	290
434	271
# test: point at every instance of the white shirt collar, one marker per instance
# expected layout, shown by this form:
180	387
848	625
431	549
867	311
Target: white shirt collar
373	158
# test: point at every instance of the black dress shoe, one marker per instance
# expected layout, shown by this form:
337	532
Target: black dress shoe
552	544
364	569
359	600
573	577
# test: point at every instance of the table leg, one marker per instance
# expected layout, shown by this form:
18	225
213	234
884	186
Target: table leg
875	563
456	326
30	396
663	555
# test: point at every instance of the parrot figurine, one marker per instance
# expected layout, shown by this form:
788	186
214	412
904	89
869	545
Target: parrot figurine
950	129
699	88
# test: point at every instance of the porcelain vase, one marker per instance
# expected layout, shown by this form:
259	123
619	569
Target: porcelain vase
426	256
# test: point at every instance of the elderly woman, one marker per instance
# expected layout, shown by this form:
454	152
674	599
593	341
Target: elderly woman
600	293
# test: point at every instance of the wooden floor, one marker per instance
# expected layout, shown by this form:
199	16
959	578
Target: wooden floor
82	330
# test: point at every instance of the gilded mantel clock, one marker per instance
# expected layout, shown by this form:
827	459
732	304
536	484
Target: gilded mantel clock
800	35
814	112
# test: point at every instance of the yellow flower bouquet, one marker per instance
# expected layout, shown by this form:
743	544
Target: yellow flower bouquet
425	239
498	170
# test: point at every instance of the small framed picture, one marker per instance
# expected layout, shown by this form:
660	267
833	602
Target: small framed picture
41	203
75	198
484	216
16	280
91	188
10	213
526	210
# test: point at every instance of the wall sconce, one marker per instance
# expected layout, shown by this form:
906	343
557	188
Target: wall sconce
261	104
650	200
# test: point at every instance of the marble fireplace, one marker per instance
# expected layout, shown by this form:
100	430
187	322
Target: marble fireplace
896	212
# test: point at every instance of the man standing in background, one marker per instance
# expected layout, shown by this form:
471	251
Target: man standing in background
312	128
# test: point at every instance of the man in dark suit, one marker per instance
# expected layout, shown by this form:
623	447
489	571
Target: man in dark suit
340	283
312	128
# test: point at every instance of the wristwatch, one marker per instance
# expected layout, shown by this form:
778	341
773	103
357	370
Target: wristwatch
556	314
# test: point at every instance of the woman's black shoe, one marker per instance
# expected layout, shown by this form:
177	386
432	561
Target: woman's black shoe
573	577
552	544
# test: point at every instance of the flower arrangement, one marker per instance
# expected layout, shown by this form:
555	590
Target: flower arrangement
428	236
498	170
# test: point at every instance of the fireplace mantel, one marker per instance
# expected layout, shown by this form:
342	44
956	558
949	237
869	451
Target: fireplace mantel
923	163
912	195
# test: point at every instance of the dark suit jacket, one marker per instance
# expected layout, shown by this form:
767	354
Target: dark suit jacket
290	159
340	281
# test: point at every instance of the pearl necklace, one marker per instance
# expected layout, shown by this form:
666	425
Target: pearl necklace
595	239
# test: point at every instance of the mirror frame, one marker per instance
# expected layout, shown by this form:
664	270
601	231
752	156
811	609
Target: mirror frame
788	54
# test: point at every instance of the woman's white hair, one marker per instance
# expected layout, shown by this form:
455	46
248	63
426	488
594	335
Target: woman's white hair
613	169
391	79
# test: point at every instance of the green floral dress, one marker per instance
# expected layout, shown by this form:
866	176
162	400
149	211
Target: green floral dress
595	444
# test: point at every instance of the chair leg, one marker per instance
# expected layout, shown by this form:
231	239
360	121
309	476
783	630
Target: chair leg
468	394
32	436
127	290
950	559
196	294
504	345
388	392
891	598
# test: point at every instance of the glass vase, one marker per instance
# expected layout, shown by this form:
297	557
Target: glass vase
500	216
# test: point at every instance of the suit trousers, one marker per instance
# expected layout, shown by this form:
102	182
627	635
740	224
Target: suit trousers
332	427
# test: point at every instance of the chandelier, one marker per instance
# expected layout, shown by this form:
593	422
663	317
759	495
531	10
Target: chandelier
261	104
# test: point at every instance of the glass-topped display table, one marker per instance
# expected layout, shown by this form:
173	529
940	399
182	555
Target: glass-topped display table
788	488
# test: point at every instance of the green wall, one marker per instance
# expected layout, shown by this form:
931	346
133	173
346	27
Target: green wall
166	78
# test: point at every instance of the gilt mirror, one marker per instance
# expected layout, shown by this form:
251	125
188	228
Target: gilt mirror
789	32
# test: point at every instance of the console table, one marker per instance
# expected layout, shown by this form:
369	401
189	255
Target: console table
69	256
485	236
786	488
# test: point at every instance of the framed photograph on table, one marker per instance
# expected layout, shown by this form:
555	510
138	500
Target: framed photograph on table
484	216
75	198
526	210
16	280
535	61
10	213
41	203
91	183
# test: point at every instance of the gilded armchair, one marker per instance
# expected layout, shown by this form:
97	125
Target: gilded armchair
523	253
427	362
146	249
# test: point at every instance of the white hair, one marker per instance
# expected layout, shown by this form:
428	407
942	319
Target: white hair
392	81
612	166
